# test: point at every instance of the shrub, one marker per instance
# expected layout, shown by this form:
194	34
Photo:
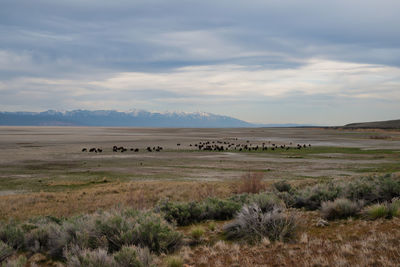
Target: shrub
340	208
130	227
5	251
132	256
363	188
212	226
252	224
214	208
372	189
388	188
241	199
153	232
384	210
77	257
288	198
18	262
197	232
251	182
12	235
109	231
219	209
396	204
174	261
180	213
47	238
188	213
376	211
283	186
312	197
267	202
82	231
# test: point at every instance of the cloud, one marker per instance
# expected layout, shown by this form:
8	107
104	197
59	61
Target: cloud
316	77
227	83
199	54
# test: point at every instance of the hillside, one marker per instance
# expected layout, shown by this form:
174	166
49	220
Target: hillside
391	124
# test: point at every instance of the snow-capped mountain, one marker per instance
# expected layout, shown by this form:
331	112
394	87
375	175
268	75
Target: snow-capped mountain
134	118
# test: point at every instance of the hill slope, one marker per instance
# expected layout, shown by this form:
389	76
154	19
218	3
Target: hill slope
391	124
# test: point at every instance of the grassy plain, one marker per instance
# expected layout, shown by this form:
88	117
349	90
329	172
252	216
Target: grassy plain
44	172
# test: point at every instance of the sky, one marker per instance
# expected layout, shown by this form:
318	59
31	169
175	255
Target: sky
304	61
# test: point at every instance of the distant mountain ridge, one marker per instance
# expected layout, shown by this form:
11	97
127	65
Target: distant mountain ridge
135	118
391	124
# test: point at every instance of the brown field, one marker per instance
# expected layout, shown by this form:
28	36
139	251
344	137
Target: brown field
44	172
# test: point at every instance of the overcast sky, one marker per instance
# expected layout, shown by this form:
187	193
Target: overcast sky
303	61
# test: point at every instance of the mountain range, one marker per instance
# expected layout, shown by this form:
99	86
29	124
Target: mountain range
135	118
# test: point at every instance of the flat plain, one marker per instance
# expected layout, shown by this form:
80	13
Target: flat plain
39	160
43	171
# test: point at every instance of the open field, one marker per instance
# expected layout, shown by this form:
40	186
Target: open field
43	171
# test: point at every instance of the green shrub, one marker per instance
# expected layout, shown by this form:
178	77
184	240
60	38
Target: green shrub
197	233
373	189
312	197
106	230
156	234
174	261
5	251
282	186
132	256
251	224
212	226
376	211
388	188
215	208
219	209
130	227
240	198
188	213
76	257
361	189
383	210
341	208
12	235
179	212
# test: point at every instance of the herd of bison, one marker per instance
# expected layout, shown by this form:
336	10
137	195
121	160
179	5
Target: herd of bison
210	146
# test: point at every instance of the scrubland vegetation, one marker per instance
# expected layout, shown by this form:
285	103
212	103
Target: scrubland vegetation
125	236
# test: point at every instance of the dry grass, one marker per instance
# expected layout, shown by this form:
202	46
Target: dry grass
251	182
376	244
141	195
